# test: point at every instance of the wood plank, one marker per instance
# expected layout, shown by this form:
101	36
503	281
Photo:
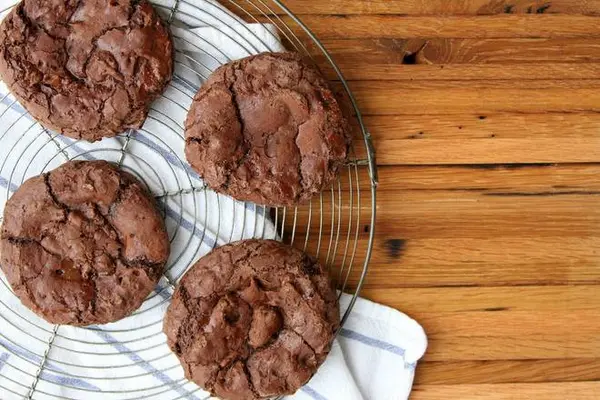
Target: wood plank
470	214
510	323
509	260
466	214
484	138
521	391
507	178
543	126
505	334
558	179
401	254
530	179
414	301
487	213
476	97
527	239
507	371
492	150
505	51
438	7
463	51
400	263
499	84
517	347
484	26
388	59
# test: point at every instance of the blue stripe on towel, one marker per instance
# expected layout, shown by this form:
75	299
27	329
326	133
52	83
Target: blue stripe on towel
380	344
161	376
4	183
166	154
68	381
313	393
189	226
72	145
18	350
3	358
61	380
161	290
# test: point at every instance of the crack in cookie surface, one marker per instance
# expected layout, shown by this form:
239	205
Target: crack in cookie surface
68	257
88	68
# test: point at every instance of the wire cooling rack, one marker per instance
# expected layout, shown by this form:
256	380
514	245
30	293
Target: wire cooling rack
43	361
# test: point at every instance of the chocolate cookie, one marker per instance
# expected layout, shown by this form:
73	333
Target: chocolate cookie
267	129
252	319
85	68
83	244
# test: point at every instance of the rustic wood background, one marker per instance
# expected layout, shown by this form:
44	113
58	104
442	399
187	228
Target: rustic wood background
485	117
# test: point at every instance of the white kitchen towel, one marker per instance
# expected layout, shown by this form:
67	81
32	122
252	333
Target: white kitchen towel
376	352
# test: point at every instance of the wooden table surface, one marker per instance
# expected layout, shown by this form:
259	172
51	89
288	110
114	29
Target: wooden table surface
485	116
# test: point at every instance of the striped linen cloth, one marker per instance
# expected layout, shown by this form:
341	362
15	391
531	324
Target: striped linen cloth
374	356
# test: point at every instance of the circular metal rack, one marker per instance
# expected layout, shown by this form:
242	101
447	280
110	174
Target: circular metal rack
37	359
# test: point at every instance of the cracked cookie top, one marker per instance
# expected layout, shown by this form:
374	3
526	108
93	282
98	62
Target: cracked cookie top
83	244
85	68
252	320
267	129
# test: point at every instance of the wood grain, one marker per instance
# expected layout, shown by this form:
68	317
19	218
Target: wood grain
508	371
491	300
482	225
507	178
477	97
463	59
466	51
446	214
506	51
481	26
544	137
529	179
516	347
481	262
